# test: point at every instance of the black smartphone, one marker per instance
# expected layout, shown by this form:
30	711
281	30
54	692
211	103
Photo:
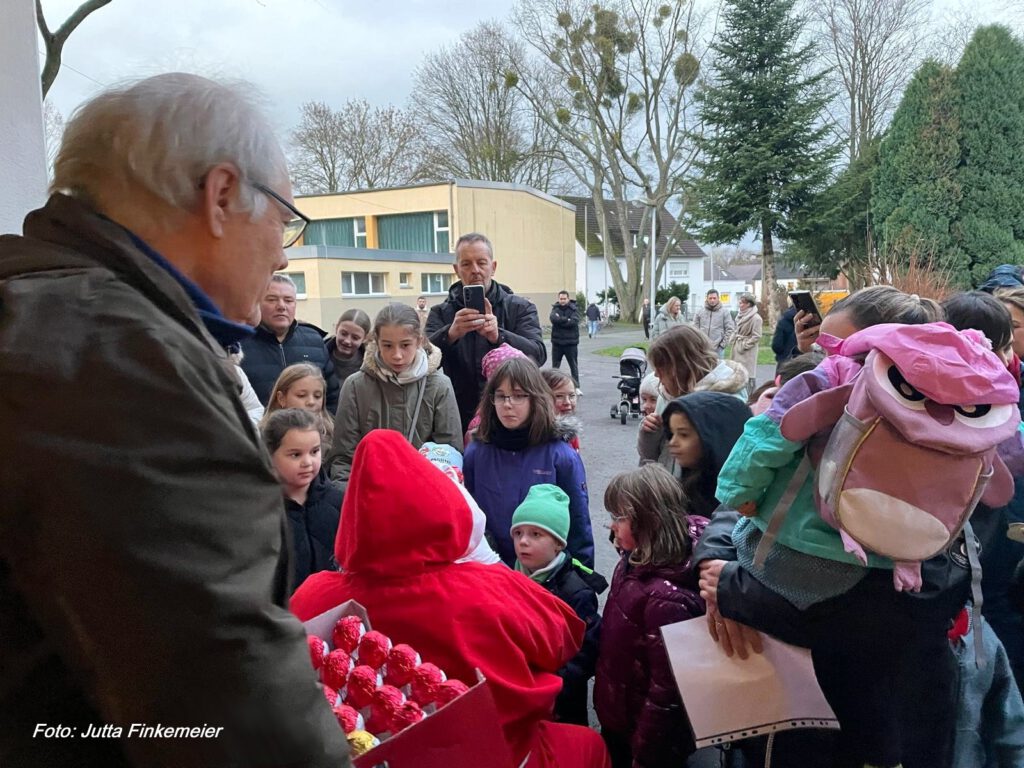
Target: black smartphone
803	301
473	297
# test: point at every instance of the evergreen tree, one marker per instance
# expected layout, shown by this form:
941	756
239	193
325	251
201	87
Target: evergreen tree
764	150
990	86
916	192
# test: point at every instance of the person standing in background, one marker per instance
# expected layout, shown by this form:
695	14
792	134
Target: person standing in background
716	322
593	320
422	311
565	335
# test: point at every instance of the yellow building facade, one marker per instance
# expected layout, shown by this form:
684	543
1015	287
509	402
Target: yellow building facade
365	249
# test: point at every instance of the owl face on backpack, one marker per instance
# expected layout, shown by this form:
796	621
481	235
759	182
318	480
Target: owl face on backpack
913	448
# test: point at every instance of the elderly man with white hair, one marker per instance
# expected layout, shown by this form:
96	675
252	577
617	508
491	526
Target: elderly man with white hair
142	561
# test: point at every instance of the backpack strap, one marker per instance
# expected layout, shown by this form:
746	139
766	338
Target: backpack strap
971	546
796	482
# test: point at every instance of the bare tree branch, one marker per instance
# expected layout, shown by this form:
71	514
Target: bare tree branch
54	41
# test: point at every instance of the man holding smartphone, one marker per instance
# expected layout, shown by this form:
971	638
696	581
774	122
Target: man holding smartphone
465	331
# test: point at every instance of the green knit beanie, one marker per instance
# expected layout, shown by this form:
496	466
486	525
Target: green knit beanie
545	506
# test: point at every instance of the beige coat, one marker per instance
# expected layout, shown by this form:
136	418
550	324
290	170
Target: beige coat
747	339
368	402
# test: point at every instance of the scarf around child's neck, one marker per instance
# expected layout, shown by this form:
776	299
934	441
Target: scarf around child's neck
414	372
510	439
543	574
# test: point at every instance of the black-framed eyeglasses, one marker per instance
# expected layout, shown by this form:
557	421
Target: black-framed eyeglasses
293	229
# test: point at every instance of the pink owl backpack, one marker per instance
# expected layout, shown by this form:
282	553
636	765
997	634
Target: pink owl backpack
911	441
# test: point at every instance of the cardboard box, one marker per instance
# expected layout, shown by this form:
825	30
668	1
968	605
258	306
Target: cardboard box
465	732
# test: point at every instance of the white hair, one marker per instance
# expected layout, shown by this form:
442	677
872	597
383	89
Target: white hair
278	277
163	134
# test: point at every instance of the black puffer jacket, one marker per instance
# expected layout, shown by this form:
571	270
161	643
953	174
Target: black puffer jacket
565	324
578	587
312	529
265	358
520	328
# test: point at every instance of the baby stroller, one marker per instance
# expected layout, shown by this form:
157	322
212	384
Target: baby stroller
632	367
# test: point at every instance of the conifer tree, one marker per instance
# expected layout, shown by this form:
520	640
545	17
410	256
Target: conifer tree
916	193
990	106
765	149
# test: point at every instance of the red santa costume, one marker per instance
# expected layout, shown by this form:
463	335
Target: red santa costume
403	526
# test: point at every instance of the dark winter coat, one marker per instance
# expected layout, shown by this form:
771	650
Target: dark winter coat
519	327
265	358
565	324
593	313
635	692
313	527
578	587
784	339
343	368
141	525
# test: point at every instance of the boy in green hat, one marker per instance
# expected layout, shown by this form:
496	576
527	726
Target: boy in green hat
540	527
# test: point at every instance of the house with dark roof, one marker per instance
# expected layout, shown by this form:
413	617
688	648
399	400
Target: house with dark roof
687	262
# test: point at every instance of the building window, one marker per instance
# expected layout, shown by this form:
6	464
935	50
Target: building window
339	232
405	279
359	231
435	282
299	278
441	237
362	283
678	269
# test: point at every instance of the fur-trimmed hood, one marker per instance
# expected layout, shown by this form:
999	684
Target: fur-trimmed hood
371	366
567	427
728	376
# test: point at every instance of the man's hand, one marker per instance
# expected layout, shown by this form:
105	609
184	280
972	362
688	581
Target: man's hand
807	327
734	637
651	423
466	321
489	330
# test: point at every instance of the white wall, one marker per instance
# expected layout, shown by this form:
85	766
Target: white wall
22	147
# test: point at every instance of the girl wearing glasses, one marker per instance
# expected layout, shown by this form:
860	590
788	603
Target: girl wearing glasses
518	445
563	398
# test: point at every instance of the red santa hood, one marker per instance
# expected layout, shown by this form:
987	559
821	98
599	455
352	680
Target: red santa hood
400	515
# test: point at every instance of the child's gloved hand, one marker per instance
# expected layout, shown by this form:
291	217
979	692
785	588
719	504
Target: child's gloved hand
747	509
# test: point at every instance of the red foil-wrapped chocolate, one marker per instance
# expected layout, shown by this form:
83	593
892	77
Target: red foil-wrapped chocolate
386	701
332	696
336	668
362	682
374	649
348	718
408	714
347	633
318	650
426	680
450	690
402	660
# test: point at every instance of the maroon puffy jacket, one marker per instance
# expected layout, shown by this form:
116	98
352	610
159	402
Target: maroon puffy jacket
635	693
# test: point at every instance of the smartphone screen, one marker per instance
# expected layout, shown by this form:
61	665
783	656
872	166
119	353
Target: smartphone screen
803	301
473	297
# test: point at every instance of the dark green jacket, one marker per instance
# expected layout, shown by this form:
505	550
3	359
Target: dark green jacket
141	526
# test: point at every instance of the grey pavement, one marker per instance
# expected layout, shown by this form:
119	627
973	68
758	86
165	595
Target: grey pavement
609	447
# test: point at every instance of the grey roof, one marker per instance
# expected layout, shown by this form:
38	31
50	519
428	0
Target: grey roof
720	273
588	232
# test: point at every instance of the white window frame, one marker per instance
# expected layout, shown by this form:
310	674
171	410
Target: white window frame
678	269
359	231
438	229
405	279
370	281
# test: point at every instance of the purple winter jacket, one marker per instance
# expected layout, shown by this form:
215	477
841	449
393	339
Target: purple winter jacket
635	693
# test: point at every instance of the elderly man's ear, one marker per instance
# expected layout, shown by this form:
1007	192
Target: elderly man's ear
220	196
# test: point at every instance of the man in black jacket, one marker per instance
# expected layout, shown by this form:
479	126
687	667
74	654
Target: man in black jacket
281	341
565	335
464	335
